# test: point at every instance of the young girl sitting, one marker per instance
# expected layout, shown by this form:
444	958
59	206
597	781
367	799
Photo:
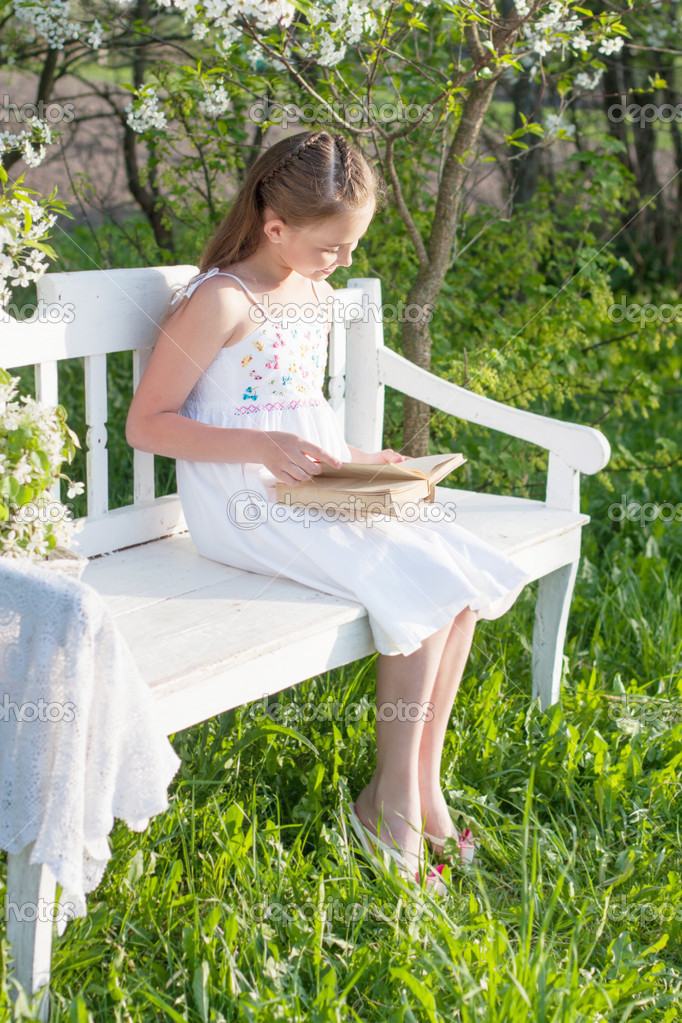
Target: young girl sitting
235	396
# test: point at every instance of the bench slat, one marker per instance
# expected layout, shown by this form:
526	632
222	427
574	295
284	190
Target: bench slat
47	393
97	456
143	461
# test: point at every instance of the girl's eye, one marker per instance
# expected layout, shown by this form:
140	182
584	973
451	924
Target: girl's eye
333	251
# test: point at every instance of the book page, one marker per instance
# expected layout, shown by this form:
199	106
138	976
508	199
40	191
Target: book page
435	467
412	468
368	471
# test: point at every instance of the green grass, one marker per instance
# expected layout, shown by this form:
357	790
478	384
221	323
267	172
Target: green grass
247	901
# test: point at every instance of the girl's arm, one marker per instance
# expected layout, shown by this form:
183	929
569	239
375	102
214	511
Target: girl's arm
187	343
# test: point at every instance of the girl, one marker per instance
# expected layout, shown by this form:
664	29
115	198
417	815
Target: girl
234	395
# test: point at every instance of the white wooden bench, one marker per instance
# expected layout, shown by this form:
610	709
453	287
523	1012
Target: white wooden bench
194	626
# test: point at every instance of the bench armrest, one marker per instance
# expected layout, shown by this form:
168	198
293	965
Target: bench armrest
579	447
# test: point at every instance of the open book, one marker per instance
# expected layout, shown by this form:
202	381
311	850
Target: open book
371	488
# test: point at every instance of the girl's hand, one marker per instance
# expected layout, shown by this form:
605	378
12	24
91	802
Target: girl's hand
290	457
387	455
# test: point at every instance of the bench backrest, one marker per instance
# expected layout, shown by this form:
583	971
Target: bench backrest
91	313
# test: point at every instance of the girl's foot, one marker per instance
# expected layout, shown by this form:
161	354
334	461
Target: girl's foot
375	848
396	830
438	826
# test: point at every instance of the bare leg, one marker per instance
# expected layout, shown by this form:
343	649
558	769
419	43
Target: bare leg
434	810
404	688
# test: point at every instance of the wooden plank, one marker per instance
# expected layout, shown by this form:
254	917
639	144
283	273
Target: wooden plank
581	447
204	650
133	524
97	458
539	559
29	905
337	371
127	307
157	571
511	524
234	620
563	484
47	393
170	602
161	569
364	388
143	461
201	694
549	633
104	311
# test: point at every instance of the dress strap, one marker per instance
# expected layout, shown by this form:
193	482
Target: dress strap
188	289
249	293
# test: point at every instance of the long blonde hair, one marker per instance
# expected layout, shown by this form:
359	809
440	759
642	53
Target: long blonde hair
303	178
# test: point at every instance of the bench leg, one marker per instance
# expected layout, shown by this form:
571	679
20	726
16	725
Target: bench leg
551	616
29	916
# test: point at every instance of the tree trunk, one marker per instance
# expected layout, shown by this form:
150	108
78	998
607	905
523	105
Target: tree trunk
616	87
45	87
526	97
149	198
416	337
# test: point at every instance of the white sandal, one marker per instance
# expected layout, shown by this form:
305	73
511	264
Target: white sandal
465	840
371	843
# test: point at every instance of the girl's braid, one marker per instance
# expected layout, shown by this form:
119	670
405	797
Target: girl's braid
344	154
286	160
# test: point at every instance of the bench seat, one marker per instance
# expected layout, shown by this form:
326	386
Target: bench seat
196	630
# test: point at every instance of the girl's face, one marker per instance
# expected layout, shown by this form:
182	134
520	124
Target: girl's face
316	250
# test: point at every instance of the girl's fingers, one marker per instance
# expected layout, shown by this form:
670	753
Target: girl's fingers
299	474
323	456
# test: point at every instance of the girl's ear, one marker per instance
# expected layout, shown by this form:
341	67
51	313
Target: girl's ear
274	227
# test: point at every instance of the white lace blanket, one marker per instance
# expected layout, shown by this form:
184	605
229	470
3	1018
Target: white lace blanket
80	742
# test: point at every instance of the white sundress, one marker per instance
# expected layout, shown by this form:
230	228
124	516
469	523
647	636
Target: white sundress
413	577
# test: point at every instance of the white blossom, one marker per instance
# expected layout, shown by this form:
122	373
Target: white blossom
583	80
216	101
609	46
22	276
36	261
189	7
49	19
94	37
27	535
554	123
20	261
542	46
38	134
145	113
580	42
22	472
558	27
